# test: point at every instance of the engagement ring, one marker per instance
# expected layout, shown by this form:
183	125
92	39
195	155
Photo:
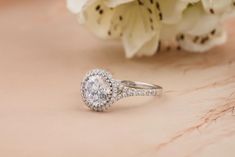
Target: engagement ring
99	90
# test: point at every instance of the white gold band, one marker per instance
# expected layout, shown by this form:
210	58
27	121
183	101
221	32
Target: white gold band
132	88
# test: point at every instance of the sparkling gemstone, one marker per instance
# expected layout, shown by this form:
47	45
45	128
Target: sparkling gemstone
97	90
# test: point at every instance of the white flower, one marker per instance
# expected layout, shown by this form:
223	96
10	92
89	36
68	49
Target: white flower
142	25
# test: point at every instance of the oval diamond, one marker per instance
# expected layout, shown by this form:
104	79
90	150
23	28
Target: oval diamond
97	89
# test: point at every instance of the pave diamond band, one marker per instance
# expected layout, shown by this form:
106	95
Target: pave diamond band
132	88
99	90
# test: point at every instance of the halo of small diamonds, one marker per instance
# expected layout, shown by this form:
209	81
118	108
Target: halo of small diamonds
97	89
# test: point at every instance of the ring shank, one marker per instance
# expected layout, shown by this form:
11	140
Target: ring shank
142	86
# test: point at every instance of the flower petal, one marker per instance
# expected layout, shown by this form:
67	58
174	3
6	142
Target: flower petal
200	24
75	6
115	3
217	6
150	48
97	17
140	30
203	43
172	10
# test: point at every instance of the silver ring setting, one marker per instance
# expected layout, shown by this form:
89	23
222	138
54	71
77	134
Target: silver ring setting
99	90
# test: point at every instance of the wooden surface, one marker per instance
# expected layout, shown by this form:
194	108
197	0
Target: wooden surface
44	54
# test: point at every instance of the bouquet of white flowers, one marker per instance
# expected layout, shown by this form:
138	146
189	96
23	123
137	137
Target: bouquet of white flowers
144	26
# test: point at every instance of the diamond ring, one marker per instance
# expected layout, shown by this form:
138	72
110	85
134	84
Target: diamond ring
99	90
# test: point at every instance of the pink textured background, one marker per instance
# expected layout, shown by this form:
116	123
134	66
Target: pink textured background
44	54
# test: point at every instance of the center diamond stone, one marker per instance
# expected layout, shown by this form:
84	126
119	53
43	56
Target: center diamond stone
97	90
